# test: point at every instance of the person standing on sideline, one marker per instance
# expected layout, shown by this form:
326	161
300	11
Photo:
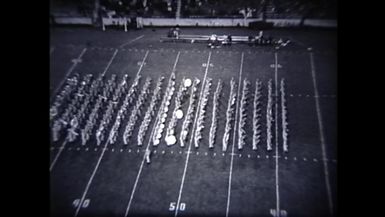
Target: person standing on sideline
139	22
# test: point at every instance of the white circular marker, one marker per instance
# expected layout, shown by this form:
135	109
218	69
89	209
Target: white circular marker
179	114
165	109
158	136
163	120
187	82
161	126
156	142
170	140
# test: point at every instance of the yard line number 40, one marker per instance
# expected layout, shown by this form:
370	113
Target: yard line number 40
85	204
182	206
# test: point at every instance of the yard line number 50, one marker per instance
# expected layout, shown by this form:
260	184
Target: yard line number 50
182	206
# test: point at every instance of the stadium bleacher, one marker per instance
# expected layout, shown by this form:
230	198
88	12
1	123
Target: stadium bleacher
270	9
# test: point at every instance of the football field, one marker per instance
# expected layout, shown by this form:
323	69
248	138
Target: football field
297	95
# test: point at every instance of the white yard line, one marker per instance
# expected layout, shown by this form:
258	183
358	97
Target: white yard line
234	133
58	154
65	141
74	64
191	136
102	154
129	42
276	136
319	116
109	63
148	145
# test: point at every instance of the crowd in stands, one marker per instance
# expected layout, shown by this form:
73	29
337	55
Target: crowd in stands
144	8
323	9
255	8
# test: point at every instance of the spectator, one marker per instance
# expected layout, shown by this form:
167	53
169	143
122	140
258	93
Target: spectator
139	22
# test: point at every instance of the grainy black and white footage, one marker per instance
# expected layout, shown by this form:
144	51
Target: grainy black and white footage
193	108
